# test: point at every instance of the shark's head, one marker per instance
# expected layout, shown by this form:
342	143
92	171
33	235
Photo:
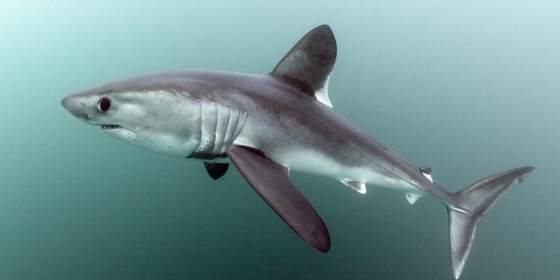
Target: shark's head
142	112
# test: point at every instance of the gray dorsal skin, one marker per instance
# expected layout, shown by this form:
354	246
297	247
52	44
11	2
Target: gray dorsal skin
272	182
216	170
284	123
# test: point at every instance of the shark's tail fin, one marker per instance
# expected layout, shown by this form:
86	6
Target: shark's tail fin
473	202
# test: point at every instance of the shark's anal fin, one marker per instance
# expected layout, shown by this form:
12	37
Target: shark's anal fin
412	197
272	182
216	170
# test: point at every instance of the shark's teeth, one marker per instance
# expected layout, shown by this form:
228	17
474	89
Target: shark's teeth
109	126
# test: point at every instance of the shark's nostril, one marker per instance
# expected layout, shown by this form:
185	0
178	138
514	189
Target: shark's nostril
86	117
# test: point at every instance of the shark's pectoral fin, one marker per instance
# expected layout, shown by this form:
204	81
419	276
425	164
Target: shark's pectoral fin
272	182
216	170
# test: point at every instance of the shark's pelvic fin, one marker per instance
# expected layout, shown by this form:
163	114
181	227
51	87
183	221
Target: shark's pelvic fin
272	182
357	186
216	170
310	62
477	199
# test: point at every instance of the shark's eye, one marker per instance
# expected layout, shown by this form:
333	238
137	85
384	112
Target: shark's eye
104	104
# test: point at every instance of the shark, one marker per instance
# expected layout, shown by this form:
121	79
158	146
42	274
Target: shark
272	124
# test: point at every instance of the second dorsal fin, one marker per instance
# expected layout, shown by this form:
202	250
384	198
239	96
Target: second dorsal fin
427	172
310	62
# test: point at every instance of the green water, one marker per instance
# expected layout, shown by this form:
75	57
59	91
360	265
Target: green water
469	88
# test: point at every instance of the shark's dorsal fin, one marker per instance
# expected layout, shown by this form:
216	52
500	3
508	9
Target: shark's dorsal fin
310	62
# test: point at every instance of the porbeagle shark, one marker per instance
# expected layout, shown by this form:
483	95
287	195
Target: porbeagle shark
270	125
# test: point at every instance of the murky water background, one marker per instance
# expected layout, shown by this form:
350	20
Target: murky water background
468	88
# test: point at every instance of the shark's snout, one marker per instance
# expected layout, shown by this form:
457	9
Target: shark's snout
75	107
66	101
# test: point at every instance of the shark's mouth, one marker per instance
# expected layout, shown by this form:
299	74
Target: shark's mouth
110	126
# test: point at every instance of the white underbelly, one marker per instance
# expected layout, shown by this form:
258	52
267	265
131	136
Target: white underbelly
314	163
